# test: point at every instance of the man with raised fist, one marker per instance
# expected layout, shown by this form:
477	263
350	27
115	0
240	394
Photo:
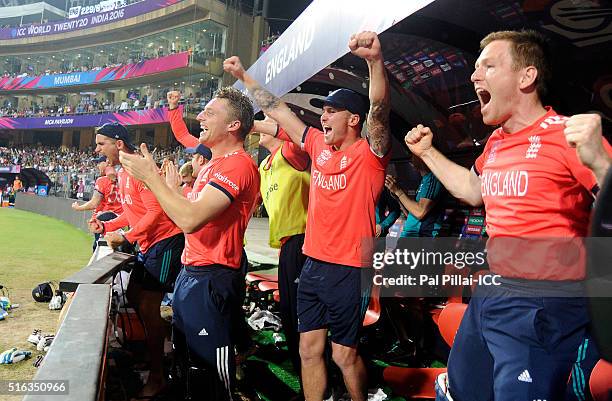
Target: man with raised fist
347	177
523	336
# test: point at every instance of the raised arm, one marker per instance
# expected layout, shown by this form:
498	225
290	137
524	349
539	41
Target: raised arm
367	46
270	104
584	132
418	209
177	124
462	183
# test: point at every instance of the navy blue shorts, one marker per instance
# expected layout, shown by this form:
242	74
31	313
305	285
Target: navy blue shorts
156	270
332	296
510	347
206	301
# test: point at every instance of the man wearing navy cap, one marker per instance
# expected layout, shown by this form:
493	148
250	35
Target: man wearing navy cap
344	99
201	156
118	132
188	172
347	178
160	241
200	150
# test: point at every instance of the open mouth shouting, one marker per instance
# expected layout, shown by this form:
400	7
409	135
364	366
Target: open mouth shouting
327	130
204	130
484	97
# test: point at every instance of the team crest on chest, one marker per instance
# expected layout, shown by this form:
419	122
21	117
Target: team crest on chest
493	153
344	162
323	157
535	143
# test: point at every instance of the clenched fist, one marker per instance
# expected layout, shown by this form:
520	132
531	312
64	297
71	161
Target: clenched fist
95	226
419	140
173	99
583	132
114	239
234	67
365	45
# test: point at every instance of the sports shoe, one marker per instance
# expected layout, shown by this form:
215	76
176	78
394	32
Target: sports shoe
5	303
441	387
35	337
45	342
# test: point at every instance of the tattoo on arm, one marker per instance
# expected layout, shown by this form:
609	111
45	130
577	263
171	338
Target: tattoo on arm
265	99
378	127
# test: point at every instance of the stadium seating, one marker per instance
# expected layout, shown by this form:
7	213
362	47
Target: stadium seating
419	382
600	384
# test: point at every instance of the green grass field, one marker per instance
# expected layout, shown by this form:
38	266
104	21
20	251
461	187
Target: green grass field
33	249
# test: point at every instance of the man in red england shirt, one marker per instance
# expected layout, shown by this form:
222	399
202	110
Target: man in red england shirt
105	200
209	289
518	341
160	244
347	177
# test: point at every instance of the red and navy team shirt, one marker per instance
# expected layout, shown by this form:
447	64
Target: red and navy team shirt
110	196
344	188
220	241
142	212
537	196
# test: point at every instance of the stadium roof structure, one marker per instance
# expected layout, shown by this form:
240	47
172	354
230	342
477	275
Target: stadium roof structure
430	56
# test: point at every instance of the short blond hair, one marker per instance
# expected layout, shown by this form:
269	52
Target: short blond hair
240	108
186	170
529	48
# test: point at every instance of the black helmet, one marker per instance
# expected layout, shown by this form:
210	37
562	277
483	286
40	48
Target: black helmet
42	292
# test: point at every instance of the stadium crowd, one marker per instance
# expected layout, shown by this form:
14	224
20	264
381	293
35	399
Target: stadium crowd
95	106
51	159
48	159
20	70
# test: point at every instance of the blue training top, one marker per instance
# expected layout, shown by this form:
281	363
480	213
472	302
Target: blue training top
429	226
